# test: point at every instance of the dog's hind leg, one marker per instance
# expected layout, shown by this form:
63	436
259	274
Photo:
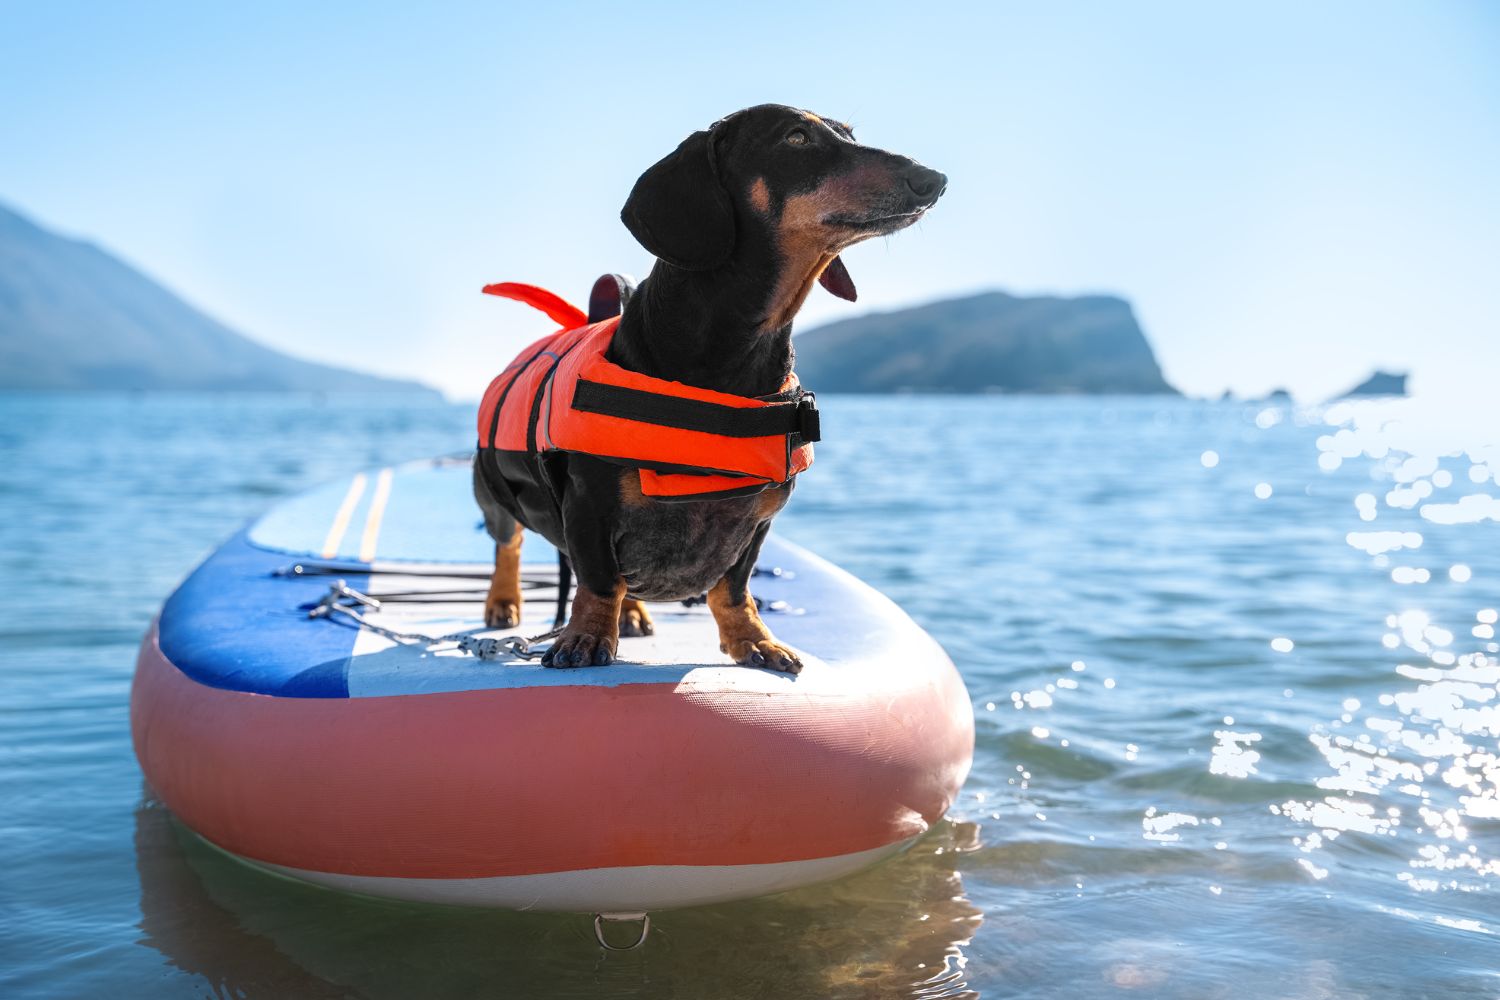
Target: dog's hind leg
502	605
635	619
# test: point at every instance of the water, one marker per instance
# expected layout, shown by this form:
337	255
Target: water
1223	749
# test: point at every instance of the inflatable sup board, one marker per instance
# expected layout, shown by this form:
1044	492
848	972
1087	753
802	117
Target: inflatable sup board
367	748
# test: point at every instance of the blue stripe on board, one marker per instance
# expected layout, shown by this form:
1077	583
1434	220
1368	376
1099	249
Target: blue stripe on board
234	625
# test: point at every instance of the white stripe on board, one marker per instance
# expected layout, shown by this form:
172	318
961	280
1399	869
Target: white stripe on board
596	890
376	515
341	519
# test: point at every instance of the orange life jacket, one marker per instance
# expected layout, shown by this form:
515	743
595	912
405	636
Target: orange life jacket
563	394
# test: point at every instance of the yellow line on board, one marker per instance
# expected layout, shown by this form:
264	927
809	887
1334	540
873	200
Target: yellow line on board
377	512
341	519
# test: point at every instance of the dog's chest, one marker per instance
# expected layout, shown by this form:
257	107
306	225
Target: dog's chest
673	551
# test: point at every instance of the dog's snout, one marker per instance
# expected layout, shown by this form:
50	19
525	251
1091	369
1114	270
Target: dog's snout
926	183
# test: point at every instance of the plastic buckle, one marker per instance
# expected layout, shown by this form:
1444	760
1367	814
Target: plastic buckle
809	424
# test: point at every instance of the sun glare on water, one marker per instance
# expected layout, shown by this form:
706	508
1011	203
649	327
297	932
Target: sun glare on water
1420	765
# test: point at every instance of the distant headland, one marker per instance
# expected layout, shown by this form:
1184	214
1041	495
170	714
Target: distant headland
75	317
1380	384
987	343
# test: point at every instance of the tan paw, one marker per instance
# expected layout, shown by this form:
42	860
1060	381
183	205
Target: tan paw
766	653
580	648
501	612
635	619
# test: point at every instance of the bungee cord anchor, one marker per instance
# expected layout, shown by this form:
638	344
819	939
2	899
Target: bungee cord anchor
344	600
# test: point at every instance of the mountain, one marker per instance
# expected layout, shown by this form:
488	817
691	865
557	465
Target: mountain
75	317
1379	384
992	342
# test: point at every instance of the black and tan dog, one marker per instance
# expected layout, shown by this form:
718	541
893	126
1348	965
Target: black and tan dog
743	219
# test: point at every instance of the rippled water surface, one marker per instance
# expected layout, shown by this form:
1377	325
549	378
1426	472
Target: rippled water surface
1234	671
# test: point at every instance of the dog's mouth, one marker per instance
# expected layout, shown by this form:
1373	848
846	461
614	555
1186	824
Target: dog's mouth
875	225
835	276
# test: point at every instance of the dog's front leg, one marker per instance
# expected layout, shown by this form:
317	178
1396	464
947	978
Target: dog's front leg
592	634
741	632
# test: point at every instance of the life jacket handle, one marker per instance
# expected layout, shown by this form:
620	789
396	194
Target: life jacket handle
562	312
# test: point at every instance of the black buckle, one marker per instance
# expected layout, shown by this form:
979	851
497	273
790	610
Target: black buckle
809	424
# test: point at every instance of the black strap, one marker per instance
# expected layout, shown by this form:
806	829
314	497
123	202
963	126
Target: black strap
505	393
541	392
799	416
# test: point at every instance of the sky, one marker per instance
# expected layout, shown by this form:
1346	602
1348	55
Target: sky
1290	194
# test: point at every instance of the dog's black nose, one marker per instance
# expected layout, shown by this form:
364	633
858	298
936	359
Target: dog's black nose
925	183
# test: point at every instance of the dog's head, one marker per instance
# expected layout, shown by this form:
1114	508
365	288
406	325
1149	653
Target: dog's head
779	183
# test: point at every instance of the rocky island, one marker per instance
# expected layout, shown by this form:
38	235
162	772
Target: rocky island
988	343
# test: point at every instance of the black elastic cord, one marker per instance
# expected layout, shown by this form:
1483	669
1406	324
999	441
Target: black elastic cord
564	588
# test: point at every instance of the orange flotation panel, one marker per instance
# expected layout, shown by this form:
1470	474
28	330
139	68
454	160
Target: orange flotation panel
564	394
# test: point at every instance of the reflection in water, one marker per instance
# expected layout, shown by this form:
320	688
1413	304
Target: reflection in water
896	931
197	935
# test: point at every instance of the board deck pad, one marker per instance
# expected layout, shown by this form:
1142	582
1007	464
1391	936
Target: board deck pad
412	534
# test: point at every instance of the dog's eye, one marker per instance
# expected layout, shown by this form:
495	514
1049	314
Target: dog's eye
796	137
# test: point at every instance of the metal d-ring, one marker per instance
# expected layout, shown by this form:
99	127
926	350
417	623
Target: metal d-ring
599	918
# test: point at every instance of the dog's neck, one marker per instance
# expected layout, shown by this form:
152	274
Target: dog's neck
705	329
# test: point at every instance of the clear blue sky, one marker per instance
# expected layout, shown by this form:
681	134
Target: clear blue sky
1289	193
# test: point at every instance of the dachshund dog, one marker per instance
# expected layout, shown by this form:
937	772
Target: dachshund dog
743	219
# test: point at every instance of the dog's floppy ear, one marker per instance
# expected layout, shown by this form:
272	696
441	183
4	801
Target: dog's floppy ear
679	209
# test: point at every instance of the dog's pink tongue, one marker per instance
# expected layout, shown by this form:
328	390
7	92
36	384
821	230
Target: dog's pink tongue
835	278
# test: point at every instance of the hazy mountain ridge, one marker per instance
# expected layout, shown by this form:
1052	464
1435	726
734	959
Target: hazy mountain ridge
991	342
73	316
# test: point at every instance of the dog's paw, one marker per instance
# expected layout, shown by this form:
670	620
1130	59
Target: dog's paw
580	649
635	619
501	612
767	653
